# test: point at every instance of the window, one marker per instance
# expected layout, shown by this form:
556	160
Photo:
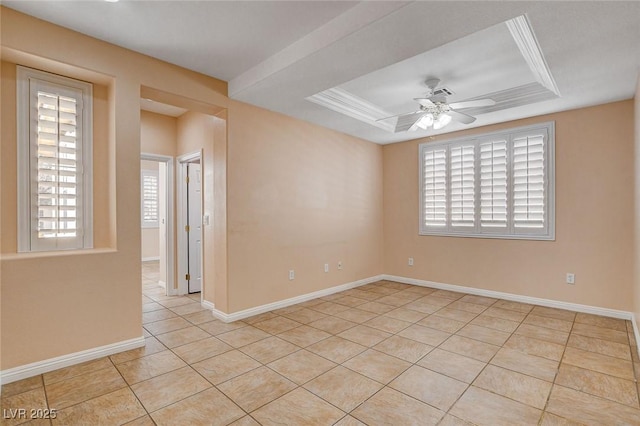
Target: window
497	185
54	162
149	208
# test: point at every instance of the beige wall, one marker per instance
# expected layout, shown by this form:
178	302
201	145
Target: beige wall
283	194
637	204
1	110
158	134
52	304
150	247
299	196
594	216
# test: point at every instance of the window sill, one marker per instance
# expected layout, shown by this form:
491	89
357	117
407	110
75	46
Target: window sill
543	237
45	254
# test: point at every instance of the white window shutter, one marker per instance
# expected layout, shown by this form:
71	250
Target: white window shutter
493	184
149	208
435	187
496	185
529	183
54	162
56	170
462	181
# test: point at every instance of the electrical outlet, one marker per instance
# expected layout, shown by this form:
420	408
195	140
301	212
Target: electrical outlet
571	278
411	261
326	267
340	265
292	274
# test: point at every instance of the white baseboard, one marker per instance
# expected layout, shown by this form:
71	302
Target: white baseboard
235	316
162	284
40	367
207	305
587	309
636	332
150	259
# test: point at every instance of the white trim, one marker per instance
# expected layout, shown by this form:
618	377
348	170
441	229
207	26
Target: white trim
347	103
207	305
575	307
169	238
150	259
636	331
547	233
25	77
40	367
523	35
246	313
183	262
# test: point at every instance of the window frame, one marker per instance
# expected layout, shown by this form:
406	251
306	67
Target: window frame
27	222
477	231
149	224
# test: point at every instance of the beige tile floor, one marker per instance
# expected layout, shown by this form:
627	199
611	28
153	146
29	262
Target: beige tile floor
384	353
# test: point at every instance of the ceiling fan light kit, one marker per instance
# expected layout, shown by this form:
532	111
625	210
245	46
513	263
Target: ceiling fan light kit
442	121
435	111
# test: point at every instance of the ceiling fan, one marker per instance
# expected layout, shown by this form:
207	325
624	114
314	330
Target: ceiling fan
435	111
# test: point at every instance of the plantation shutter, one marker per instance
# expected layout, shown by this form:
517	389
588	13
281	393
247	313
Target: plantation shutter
56	166
496	185
149	198
529	182
462	178
435	187
493	184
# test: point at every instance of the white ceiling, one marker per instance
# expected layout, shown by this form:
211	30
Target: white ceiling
277	54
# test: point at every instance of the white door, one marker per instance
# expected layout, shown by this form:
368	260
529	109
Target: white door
194	223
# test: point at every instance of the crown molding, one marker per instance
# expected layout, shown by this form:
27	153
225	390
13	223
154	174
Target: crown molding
525	39
344	102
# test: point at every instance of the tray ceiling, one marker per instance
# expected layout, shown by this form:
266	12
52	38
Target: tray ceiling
277	55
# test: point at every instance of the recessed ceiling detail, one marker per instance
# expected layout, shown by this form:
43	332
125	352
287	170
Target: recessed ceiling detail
524	37
276	55
346	103
503	63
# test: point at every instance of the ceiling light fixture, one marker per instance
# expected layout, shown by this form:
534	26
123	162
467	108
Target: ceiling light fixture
442	120
435	111
425	121
112	1
435	116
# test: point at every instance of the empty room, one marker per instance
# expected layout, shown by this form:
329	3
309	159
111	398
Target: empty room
319	212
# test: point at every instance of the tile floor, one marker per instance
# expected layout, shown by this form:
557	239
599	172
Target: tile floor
385	353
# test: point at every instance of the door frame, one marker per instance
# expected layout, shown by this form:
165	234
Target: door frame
169	238
181	184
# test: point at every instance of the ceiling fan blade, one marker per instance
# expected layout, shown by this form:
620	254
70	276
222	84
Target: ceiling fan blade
472	104
398	115
426	102
407	121
461	117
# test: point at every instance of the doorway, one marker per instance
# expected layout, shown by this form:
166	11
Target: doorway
157	215
190	223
